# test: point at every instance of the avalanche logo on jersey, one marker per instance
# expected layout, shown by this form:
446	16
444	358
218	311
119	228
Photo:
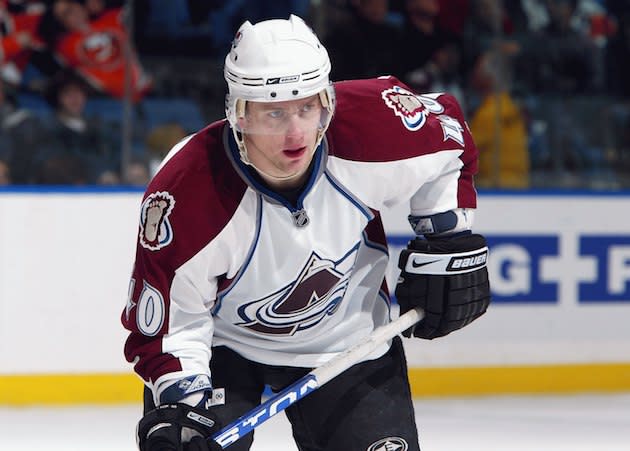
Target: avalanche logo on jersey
411	108
316	293
155	228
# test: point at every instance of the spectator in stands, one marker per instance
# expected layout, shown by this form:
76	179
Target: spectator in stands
6	110
453	15
618	74
5	172
201	28
96	8
160	140
430	55
21	137
490	27
618	53
73	136
137	173
564	59
61	169
95	43
18	37
364	44
498	125
5	148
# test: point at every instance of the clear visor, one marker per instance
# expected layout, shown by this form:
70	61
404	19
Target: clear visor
282	118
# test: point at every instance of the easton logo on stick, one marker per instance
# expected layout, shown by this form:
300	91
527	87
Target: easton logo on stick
271	407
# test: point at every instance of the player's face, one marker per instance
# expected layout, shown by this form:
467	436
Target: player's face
280	136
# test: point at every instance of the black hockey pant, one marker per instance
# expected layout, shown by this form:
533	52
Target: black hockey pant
366	408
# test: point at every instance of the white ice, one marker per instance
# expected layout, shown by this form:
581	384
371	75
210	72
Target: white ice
514	423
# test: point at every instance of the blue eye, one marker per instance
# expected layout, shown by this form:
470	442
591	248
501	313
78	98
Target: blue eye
276	114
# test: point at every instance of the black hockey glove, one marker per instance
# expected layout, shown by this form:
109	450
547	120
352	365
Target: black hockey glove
177	427
448	278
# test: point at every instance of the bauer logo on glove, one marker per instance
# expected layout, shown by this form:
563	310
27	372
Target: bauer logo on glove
470	263
446	264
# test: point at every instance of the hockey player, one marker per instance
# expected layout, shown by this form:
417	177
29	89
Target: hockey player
261	253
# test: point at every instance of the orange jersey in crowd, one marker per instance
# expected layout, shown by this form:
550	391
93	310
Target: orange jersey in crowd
98	54
11	26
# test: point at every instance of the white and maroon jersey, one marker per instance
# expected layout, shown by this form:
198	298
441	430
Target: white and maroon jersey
222	260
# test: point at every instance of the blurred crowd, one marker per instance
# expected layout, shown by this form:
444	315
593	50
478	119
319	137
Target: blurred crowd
78	49
543	83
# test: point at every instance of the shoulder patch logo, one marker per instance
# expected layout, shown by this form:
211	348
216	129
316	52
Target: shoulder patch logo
155	228
412	109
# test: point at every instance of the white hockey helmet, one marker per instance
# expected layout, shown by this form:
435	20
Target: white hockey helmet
273	61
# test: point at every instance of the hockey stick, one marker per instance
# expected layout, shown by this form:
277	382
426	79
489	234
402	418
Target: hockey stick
313	380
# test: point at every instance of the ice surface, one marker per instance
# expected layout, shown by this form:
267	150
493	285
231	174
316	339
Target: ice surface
515	423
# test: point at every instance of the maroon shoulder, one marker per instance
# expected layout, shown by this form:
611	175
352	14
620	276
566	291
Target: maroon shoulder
382	119
193	196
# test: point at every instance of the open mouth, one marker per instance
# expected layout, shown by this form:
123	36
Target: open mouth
294	153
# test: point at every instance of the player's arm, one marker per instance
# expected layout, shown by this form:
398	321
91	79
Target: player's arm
443	269
171	294
170	328
170	345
